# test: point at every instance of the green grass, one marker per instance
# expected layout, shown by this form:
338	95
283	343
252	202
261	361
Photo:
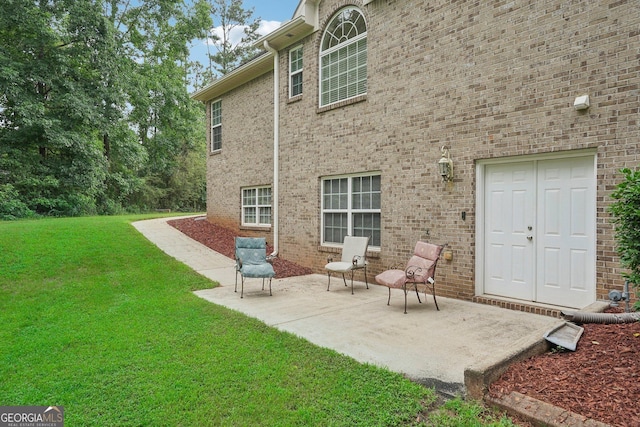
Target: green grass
458	413
95	318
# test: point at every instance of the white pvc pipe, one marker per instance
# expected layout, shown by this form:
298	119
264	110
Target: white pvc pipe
276	142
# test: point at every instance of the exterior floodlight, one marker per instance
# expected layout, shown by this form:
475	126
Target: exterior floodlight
581	102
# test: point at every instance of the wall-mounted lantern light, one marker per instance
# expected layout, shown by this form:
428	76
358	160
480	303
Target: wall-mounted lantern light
445	165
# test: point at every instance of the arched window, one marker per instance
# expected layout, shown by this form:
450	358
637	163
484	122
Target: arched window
343	57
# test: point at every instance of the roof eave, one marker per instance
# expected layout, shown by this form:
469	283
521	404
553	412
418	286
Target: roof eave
237	77
289	33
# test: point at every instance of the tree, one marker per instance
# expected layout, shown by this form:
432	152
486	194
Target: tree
95	108
233	37
166	119
626	214
51	64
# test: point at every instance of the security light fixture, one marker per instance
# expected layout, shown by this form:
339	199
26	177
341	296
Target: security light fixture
581	102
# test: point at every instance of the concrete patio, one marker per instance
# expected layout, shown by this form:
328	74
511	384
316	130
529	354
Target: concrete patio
456	350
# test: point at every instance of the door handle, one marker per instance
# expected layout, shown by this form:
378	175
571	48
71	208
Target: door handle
529	238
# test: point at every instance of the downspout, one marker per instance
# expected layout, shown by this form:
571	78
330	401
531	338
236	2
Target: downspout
276	143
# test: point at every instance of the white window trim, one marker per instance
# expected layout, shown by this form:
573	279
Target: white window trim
349	209
219	125
293	73
257	206
324	53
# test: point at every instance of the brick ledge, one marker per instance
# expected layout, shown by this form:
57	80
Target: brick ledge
519	306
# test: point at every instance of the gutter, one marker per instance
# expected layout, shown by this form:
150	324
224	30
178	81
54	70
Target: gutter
235	78
276	144
290	32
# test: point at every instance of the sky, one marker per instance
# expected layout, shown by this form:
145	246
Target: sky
272	13
272	10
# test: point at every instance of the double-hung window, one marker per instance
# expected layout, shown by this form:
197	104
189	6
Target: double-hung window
295	72
343	57
256	206
351	207
216	126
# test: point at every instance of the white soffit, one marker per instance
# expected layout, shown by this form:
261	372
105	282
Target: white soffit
289	33
237	77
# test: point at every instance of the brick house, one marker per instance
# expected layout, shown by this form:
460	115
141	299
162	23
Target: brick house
356	98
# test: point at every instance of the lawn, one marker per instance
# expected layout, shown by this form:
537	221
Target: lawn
96	319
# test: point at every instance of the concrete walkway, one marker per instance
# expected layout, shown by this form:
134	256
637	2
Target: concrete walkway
431	347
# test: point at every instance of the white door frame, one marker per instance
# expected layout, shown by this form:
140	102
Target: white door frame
480	205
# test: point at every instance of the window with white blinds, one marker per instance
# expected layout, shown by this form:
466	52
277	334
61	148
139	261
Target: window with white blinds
295	72
216	126
343	57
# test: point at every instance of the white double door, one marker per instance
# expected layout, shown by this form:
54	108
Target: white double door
539	230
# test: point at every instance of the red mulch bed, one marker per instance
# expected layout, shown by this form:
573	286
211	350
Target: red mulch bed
600	380
220	239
